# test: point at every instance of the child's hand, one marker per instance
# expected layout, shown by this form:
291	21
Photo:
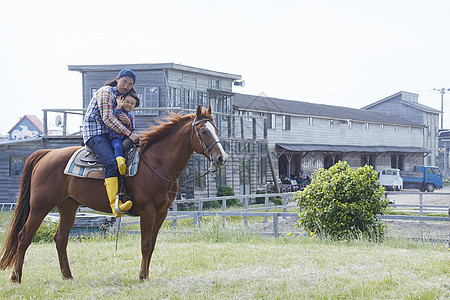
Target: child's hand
120	101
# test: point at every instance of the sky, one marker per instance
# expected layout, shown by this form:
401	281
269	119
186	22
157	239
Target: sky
348	53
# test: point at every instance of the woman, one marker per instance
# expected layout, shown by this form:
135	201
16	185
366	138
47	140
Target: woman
98	119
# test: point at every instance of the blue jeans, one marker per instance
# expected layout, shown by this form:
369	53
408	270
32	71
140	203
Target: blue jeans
117	146
102	147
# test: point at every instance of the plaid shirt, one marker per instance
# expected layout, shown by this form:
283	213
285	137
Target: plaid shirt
116	135
100	116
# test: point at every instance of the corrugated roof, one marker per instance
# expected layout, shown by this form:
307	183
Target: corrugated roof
348	148
420	107
275	105
147	67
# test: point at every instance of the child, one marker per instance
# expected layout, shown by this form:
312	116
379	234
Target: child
125	104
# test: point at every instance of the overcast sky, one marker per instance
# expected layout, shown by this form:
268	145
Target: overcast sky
348	52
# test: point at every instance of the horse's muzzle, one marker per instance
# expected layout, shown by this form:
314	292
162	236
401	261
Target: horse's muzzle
220	160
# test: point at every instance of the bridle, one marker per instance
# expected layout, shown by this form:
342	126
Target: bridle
195	122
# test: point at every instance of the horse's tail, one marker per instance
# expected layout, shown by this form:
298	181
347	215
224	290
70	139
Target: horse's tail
21	211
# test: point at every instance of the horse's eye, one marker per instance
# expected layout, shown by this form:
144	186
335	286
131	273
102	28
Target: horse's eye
204	132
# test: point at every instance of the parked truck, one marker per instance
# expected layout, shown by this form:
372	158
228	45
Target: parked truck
423	178
391	179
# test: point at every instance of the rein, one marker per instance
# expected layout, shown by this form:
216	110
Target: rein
195	122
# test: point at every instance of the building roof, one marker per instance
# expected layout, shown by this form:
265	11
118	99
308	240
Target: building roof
347	148
34	120
420	107
151	67
275	105
404	95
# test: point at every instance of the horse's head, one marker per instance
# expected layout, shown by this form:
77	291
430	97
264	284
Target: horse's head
207	142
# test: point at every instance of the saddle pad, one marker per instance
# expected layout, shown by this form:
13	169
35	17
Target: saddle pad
96	172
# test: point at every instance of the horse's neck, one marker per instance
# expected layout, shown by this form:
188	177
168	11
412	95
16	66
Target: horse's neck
174	151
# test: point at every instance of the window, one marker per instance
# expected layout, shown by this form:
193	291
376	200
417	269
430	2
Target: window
271	121
16	166
189	99
382	127
221	178
214	84
286	122
366	127
200	166
175	97
310	121
350	124
149	97
331	122
262	147
396	128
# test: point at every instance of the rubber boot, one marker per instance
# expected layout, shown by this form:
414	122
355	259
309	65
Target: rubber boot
122	165
117	207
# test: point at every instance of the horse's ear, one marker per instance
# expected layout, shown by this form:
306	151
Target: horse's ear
209	109
199	111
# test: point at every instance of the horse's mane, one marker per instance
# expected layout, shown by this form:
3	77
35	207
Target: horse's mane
166	126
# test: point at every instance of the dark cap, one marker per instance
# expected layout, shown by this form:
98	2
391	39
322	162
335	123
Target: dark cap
127	73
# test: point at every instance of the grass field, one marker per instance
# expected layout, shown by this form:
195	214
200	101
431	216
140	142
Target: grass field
217	263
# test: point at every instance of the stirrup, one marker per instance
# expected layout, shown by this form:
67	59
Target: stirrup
116	206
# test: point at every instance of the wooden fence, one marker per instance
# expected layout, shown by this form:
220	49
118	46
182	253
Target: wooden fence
263	210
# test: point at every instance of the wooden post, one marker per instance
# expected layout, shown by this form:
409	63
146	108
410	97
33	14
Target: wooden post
224	208
272	170
266	207
174	221
275	224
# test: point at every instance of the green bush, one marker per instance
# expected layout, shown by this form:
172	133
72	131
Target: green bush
277	201
342	203
46	232
227	191
260	200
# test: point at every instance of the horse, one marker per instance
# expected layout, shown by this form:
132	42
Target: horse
165	151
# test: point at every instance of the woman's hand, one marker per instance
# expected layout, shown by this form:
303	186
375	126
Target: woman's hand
123	118
134	138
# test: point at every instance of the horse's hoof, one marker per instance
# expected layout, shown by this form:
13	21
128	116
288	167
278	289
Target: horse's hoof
67	277
15	277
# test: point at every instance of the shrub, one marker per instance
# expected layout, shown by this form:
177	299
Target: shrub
260	200
277	201
227	191
46	232
342	203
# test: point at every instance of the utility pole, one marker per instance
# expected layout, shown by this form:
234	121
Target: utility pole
442	91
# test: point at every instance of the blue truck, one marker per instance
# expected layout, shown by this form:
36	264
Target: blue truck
423	178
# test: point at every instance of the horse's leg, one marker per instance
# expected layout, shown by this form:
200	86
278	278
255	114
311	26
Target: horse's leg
32	224
67	211
159	220
147	222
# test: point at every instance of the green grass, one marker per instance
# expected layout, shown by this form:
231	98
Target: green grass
217	263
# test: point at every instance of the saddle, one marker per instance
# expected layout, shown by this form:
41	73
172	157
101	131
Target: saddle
86	164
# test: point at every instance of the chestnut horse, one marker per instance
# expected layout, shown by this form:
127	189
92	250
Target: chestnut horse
165	151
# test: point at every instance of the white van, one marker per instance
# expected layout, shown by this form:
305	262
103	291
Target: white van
391	179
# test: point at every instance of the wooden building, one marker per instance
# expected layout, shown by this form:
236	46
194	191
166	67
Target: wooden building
406	106
303	137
